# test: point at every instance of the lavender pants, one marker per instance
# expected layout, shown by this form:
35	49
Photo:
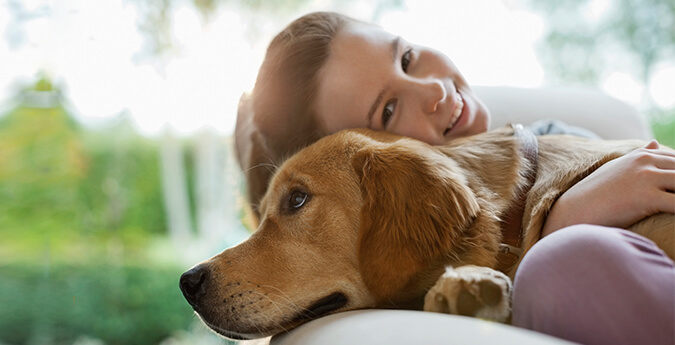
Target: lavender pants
597	285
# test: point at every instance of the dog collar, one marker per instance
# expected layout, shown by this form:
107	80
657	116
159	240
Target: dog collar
510	248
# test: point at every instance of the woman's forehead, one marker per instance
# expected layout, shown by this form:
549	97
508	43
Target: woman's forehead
358	66
365	33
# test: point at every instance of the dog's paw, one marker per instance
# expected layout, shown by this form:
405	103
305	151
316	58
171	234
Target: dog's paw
473	291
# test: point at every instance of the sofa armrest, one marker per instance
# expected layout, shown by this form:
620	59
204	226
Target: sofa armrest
582	107
392	327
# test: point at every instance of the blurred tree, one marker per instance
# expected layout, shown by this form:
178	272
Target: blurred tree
155	18
42	160
582	40
110	304
588	40
122	191
58	180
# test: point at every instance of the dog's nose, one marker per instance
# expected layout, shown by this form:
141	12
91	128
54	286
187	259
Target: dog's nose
192	284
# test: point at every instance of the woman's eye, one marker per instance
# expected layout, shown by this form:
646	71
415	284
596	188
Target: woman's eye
387	113
297	199
405	60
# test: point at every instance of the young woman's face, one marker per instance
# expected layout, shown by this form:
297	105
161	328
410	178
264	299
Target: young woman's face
376	80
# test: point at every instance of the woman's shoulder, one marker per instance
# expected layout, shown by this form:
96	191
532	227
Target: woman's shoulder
546	127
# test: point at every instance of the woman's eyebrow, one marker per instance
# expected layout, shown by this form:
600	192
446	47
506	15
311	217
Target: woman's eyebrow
394	53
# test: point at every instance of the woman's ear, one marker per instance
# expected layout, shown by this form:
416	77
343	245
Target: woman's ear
416	205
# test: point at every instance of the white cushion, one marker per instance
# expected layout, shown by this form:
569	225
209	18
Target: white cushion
391	327
581	107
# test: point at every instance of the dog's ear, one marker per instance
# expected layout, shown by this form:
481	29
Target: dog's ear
416	205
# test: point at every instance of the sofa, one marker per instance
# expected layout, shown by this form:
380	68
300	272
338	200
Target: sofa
587	108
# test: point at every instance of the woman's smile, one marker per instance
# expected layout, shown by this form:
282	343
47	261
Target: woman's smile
377	80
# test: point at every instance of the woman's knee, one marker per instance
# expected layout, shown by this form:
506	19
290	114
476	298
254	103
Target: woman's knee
584	277
549	265
582	250
571	245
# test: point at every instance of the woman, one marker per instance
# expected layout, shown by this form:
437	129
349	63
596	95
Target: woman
326	72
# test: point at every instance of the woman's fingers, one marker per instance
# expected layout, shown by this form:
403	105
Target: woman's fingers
655	148
662	183
661	158
652	145
664	162
665	202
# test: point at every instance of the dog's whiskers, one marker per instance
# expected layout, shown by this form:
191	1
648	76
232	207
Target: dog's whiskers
290	304
265	316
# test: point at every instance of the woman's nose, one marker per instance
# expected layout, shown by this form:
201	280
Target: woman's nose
431	93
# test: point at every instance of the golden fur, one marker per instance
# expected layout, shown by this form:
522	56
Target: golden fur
382	217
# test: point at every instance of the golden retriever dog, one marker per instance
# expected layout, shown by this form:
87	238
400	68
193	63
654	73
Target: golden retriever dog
365	219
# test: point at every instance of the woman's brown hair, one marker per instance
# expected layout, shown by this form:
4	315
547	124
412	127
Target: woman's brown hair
277	118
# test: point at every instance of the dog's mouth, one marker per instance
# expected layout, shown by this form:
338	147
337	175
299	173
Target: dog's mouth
322	307
226	333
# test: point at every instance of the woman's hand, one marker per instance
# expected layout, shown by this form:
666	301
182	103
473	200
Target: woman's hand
619	193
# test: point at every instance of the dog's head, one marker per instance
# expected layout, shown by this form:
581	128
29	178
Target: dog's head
360	219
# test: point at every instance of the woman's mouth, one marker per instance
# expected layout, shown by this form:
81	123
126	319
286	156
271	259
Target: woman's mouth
456	113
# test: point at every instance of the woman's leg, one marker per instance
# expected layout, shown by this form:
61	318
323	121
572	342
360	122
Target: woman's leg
597	285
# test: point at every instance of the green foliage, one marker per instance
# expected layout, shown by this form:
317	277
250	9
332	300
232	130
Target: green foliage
88	203
155	17
56	303
632	36
60	184
41	161
645	27
579	48
663	126
122	188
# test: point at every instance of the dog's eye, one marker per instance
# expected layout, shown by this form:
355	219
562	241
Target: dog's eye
297	199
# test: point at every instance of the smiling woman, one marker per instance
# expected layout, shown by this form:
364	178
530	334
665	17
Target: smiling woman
374	79
361	76
370	78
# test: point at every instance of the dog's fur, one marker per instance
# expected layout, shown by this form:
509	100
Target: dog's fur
384	215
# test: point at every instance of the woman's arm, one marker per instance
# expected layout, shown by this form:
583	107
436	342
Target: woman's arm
619	193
